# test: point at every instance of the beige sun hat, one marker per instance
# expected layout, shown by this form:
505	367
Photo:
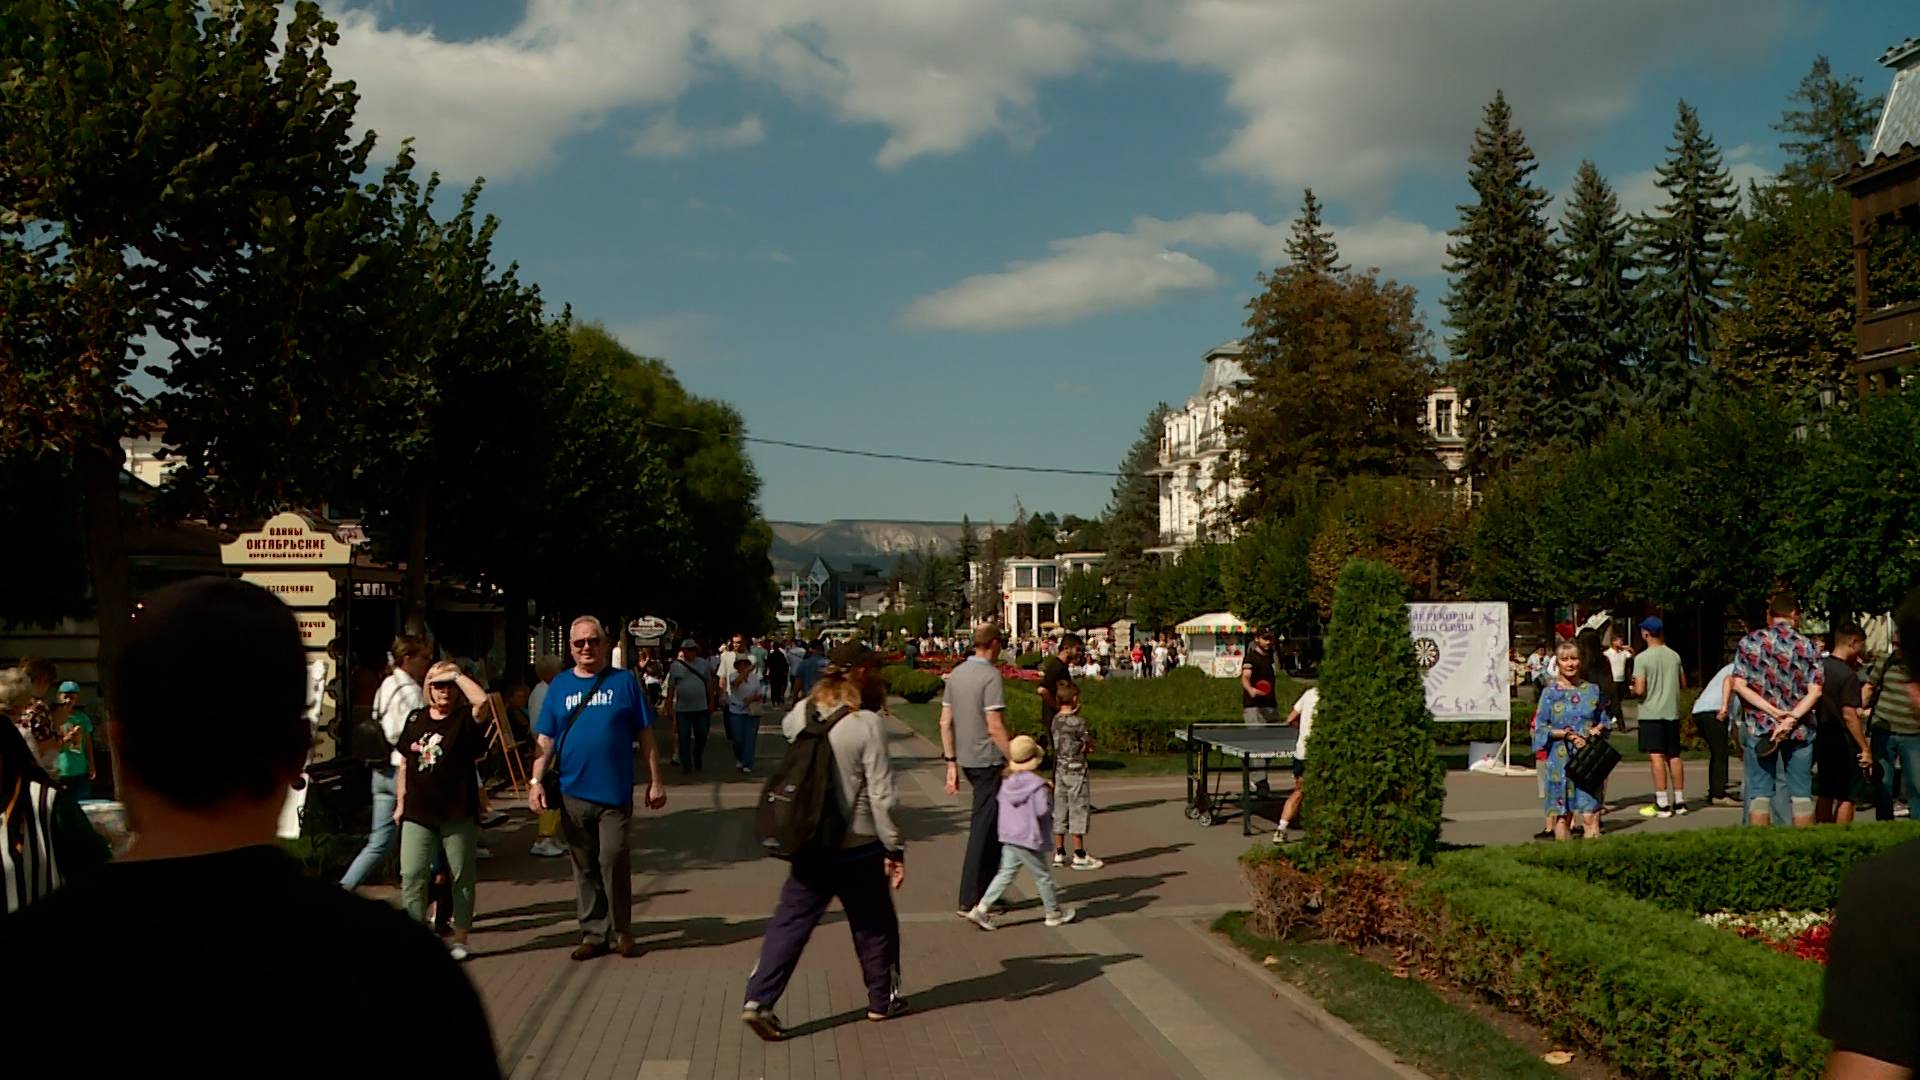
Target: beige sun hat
1023	754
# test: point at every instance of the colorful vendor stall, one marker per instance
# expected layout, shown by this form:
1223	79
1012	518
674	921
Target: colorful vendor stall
1215	643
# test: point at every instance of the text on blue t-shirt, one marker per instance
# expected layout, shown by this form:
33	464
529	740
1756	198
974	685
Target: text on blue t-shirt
596	755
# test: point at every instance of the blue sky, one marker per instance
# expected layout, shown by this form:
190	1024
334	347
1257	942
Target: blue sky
1002	230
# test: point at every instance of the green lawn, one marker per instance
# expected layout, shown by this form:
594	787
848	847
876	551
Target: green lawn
925	719
1404	1015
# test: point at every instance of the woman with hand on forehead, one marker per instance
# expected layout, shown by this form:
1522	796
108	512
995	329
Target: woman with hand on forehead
438	796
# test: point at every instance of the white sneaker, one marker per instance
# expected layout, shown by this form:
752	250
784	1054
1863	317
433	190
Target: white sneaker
1086	862
1680	808
458	952
1059	858
979	917
547	848
1062	917
483	852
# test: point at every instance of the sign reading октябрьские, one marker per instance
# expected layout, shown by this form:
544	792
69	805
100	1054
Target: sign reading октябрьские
286	540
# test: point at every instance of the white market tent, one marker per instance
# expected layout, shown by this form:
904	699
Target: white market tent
1219	622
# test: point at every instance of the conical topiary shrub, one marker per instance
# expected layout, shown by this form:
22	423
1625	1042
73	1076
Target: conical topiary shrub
1374	786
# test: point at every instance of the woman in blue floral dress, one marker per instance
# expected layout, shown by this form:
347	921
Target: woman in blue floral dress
1571	711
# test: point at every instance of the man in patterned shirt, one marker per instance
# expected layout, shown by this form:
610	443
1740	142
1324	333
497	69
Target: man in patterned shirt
1778	673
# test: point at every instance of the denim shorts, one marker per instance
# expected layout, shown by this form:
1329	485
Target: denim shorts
1790	766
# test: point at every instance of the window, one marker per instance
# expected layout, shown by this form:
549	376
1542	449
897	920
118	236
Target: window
1023	577
1044	614
1047	577
1443	418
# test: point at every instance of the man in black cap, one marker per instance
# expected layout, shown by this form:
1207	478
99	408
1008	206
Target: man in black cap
860	870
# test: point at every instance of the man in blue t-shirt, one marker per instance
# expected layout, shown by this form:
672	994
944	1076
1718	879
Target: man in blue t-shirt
595	737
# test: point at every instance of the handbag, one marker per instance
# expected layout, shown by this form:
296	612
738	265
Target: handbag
1589	765
550	778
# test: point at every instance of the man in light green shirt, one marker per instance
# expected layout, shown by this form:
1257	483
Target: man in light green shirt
1657	680
75	763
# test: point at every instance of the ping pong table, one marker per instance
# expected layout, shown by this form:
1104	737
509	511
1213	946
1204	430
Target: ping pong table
1251	743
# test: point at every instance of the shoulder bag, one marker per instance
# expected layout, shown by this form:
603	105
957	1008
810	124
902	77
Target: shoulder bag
550	779
1589	765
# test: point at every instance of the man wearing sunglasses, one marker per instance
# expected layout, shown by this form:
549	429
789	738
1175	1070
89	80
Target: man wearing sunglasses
594	714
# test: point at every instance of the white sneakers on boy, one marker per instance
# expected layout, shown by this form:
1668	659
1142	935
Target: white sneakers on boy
1062	917
1083	862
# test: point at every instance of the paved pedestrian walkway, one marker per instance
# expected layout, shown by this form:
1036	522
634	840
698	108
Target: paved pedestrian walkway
1140	988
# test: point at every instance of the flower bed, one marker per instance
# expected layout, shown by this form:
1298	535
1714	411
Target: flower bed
1605	945
1803	934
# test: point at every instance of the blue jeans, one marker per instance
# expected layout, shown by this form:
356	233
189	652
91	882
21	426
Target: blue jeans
1790	768
743	731
1899	759
1012	858
380	839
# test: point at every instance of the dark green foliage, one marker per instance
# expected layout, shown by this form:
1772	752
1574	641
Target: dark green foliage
1310	244
1178	589
913	684
1029	661
1142	716
1843	532
1339	365
1791	327
1683	246
1501	303
1601	321
1266	573
37	493
1373	781
1731	869
1832	121
1086	601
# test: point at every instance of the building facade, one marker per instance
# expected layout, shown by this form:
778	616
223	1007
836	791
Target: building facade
1198	487
1030	589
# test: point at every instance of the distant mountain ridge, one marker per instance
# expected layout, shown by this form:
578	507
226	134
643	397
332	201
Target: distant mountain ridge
845	541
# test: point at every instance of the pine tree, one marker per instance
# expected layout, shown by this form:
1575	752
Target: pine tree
1133	510
1600	302
967	553
1375	782
1833	121
1500	305
1310	244
1684	249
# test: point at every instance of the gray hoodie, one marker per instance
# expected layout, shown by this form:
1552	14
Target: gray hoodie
865	788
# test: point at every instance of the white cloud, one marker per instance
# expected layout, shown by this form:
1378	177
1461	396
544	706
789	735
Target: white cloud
1084	276
1111	271
668	337
665	138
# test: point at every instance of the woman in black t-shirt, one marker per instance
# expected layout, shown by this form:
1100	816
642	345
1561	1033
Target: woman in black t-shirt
439	795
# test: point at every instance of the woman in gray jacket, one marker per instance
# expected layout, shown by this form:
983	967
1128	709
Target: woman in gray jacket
869	863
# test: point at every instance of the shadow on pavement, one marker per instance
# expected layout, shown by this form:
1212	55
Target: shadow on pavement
1140	804
1115	895
1021	978
535	916
1144	853
653	935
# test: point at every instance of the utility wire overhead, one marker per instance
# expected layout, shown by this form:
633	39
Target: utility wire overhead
881	455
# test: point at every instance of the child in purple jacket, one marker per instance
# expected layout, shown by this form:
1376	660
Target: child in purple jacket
1026	831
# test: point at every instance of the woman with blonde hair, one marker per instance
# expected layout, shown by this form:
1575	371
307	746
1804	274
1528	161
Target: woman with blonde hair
861	866
439	800
45	839
1572	710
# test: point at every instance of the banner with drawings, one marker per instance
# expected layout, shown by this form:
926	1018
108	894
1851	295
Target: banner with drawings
1461	649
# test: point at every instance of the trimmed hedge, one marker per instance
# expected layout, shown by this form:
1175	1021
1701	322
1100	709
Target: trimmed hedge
913	684
1600	943
1141	715
1031	661
1730	869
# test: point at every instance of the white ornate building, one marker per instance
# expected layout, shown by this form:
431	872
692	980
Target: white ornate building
1197	484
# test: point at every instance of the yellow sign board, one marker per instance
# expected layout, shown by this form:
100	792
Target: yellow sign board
286	540
316	629
298	588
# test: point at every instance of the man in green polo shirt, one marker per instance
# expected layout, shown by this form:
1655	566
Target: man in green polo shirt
75	763
1657	678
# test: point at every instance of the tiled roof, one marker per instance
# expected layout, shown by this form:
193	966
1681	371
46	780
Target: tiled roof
1900	119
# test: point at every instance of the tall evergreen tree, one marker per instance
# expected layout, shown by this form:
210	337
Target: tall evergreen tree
967	553
1684	248
1500	305
1827	128
1600	304
1310	243
1133	510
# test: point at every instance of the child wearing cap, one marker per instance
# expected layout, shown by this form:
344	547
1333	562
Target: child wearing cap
75	765
1026	820
1071	784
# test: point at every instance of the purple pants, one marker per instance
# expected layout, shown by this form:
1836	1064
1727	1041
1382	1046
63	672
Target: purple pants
858	878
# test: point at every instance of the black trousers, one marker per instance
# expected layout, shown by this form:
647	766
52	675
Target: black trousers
983	837
1714	731
859	879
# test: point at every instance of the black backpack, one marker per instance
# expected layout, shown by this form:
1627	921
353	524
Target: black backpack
798	813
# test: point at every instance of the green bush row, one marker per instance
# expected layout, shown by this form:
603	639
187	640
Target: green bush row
1652	989
1030	661
913	684
1142	715
1731	869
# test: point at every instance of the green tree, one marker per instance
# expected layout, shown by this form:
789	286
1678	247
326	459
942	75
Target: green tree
1310	244
1180	588
1085	601
1265	574
1133	509
1790	326
1500	303
1373	782
1844	533
1338	370
1827	127
1415	528
178	174
986	592
1683	246
966	555
1600	314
